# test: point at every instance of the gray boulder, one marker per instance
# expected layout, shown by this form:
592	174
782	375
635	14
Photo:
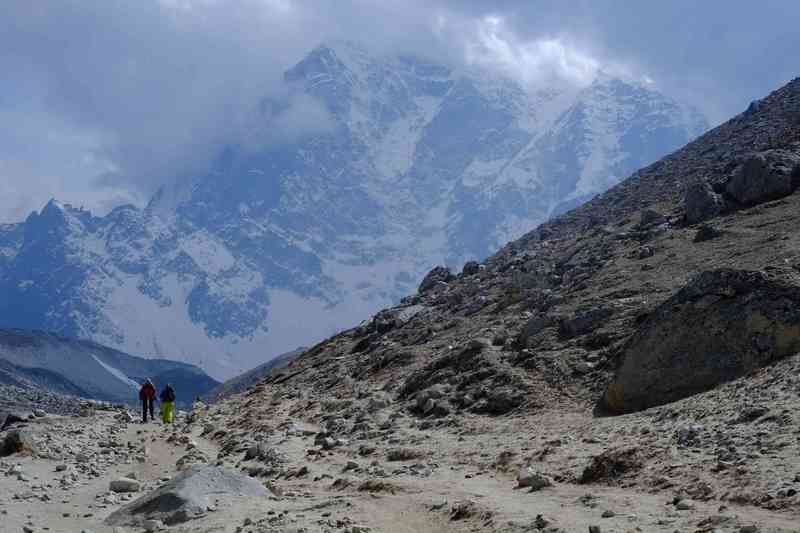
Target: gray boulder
17	442
707	232
187	496
722	325
533	327
765	176
7	419
124	485
529	478
471	268
650	217
583	321
701	202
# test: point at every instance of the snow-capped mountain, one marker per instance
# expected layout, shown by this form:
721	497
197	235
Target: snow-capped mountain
293	235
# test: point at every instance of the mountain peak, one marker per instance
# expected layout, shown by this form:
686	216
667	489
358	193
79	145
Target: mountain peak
53	205
421	166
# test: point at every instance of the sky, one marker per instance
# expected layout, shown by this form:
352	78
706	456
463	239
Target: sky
103	101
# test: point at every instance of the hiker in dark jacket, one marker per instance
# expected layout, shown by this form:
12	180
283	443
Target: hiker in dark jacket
147	395
167	404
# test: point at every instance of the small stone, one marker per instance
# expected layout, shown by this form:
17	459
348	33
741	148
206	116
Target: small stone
124	485
541	521
152	525
529	478
706	232
685	505
608	513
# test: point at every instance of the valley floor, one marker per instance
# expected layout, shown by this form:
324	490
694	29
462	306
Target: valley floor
705	464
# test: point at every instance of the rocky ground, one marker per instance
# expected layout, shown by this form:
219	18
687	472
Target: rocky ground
27	399
368	465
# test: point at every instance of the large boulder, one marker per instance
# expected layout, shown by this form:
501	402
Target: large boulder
17	442
533	327
7	419
701	202
720	326
765	176
187	496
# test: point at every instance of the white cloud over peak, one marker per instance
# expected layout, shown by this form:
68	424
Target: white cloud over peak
103	101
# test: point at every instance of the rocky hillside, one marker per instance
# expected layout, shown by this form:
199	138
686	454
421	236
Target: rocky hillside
39	361
559	309
681	284
244	381
292	236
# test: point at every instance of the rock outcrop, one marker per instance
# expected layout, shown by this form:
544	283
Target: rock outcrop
723	324
437	277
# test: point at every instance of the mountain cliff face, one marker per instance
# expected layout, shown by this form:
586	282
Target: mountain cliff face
293	235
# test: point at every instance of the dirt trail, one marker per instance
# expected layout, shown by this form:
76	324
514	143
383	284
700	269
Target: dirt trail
82	506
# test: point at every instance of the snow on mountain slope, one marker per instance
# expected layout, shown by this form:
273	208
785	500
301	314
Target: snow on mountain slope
88	369
281	243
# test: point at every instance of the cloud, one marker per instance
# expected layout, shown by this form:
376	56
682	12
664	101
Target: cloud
540	61
104	100
286	120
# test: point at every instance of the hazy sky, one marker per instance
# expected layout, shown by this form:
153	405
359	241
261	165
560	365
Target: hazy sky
103	100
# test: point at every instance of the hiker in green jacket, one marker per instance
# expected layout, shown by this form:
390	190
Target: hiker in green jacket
167	398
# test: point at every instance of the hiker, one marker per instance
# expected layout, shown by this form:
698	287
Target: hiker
167	404
147	394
